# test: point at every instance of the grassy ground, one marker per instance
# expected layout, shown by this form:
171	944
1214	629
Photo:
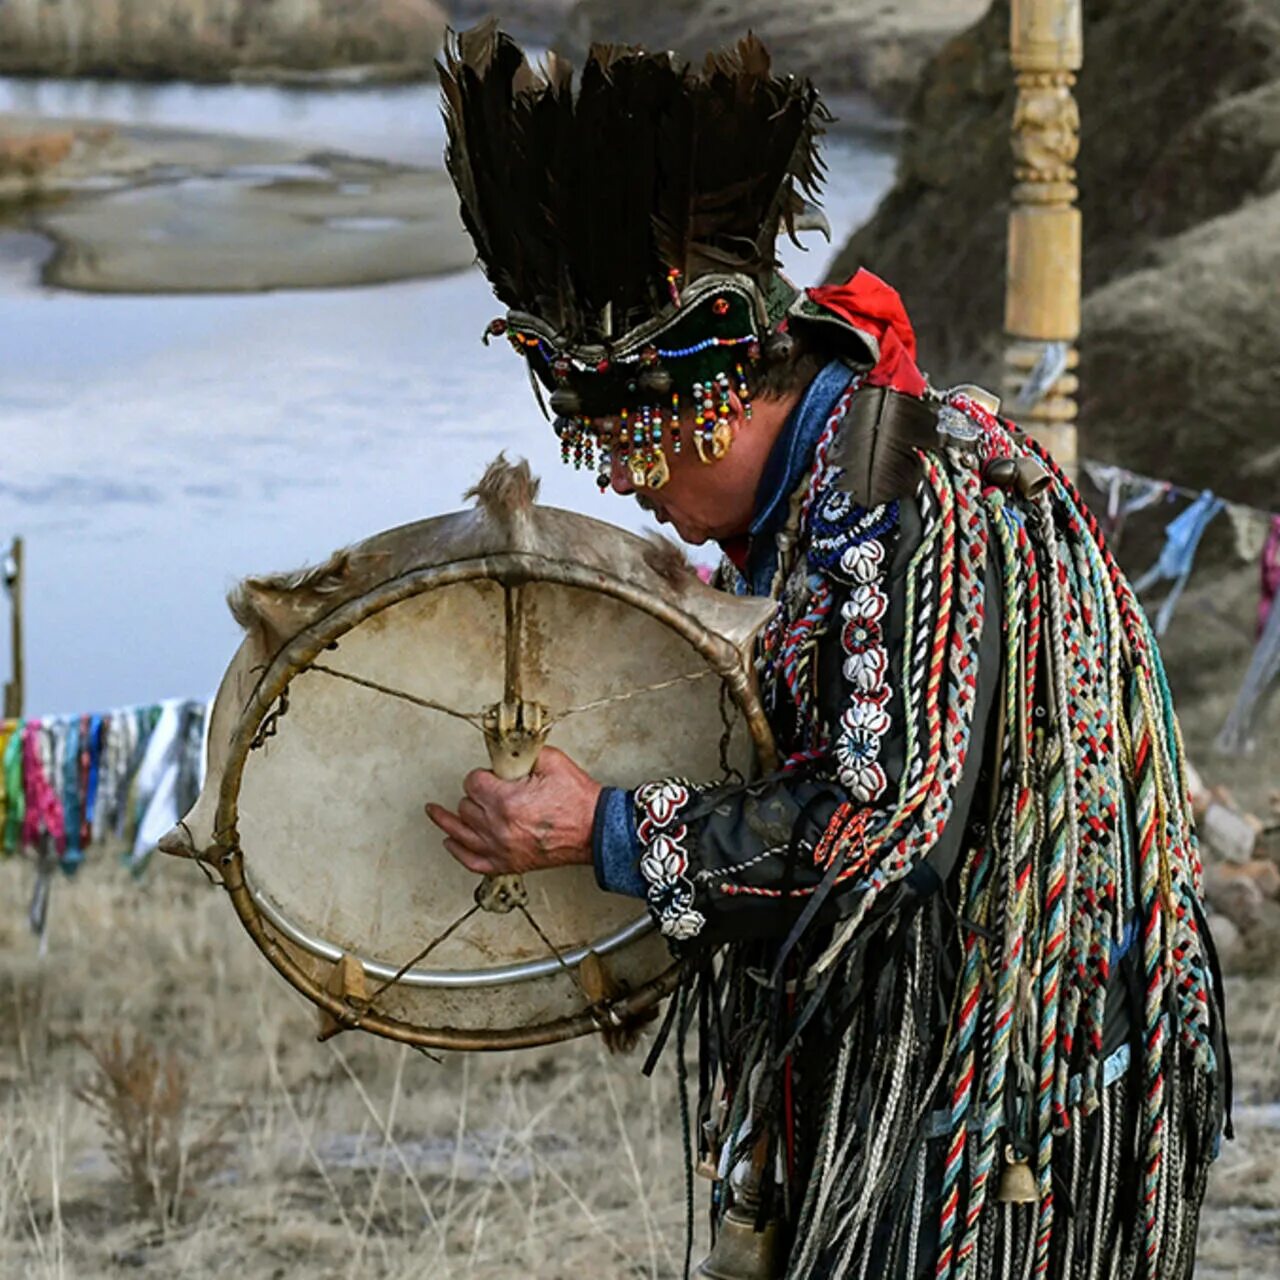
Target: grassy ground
358	1158
354	1158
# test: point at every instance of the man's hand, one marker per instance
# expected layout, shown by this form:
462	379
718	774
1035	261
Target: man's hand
505	828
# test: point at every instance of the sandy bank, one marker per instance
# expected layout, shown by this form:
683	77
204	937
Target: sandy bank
150	210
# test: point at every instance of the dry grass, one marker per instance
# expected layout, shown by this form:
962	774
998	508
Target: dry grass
212	39
142	1098
352	1159
357	1158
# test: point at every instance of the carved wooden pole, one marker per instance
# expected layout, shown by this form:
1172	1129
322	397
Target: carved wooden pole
1042	301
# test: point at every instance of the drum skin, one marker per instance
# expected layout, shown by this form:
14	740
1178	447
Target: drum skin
361	691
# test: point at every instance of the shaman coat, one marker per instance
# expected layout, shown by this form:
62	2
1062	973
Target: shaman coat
948	965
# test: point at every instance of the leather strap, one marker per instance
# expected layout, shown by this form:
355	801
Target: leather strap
877	446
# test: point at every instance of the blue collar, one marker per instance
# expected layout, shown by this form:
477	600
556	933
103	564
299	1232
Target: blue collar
792	453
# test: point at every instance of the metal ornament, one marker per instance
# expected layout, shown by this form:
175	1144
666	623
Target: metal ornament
722	432
659	471
740	1251
744	1248
1017	1182
721	439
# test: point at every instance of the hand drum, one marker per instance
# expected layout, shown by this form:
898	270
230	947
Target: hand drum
375	682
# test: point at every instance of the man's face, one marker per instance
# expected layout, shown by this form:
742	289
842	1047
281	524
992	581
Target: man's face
701	501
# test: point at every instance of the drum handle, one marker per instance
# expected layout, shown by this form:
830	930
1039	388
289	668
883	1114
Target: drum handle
514	732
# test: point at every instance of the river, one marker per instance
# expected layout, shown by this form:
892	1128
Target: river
158	448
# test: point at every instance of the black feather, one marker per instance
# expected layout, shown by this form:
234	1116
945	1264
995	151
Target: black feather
580	202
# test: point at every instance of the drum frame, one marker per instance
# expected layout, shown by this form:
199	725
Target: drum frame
509	569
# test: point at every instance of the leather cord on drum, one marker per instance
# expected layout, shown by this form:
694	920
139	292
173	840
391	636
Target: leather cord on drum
636	693
476	718
551	946
471	717
422	955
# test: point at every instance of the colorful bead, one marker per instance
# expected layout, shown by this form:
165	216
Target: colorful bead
744	390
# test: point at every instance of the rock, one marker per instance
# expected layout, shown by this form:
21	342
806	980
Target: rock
1226	938
124	215
225	237
869	46
1178	360
1234	895
1266	875
1260	948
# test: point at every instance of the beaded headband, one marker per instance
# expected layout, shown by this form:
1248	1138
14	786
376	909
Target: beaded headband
622	402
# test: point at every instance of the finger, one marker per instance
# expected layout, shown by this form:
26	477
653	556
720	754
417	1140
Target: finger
554	763
474	816
472	861
482	786
456	829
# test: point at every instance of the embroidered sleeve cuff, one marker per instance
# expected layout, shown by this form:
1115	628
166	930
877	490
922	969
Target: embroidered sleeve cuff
663	834
615	850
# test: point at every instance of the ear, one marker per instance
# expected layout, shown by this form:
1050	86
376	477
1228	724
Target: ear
739	412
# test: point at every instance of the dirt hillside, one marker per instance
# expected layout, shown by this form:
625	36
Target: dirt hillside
1180	189
871	46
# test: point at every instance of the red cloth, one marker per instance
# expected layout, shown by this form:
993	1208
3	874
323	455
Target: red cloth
872	307
44	815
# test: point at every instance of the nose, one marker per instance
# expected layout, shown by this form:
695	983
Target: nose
620	476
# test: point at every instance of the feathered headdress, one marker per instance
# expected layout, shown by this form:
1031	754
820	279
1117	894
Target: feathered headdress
629	220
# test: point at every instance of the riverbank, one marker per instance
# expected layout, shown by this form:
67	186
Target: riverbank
208	40
136	209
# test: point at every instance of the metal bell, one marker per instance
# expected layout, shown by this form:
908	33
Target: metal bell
566	403
1032	479
740	1251
1026	475
1017	1182
1002	472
